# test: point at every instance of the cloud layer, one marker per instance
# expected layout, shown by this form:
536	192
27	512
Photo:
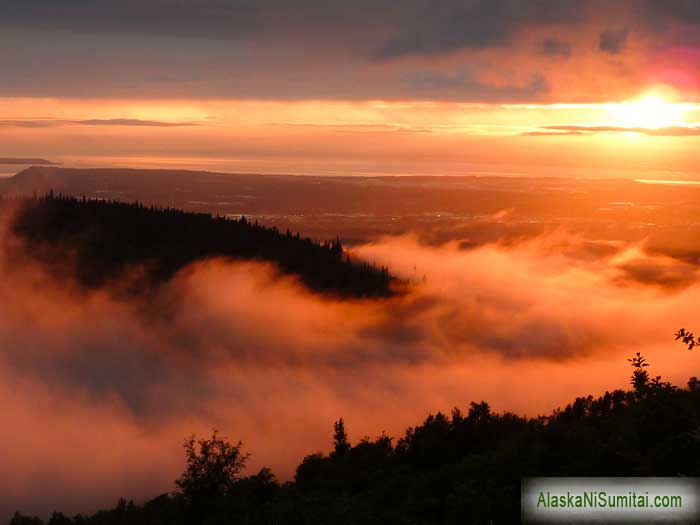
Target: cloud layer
273	49
98	390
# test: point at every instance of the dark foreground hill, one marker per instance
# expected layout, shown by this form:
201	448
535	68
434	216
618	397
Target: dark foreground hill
457	469
99	242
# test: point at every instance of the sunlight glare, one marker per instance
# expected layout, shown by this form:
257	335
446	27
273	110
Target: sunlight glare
648	112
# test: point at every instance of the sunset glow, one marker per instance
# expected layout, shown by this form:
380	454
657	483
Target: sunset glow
649	112
396	137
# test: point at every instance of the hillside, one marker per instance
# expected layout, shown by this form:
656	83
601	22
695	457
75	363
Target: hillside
100	240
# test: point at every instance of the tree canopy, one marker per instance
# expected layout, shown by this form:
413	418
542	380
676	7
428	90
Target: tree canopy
101	240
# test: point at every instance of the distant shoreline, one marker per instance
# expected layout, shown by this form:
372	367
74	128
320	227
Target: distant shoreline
20	161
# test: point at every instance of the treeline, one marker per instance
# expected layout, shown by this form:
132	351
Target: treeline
100	240
451	469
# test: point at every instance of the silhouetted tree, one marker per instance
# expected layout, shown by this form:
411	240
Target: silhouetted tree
19	519
58	518
640	377
212	468
341	444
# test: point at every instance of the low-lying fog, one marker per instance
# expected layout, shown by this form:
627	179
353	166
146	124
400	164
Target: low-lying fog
98	391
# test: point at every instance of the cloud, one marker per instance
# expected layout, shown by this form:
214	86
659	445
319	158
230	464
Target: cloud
273	49
556	48
445	25
612	42
359	127
131	122
668	274
41	123
668	131
415	27
49	123
543	133
525	326
637	267
454	84
162	16
118	382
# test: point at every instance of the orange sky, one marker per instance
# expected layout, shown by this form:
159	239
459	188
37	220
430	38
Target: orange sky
405	87
657	134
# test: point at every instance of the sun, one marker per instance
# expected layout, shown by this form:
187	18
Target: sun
648	112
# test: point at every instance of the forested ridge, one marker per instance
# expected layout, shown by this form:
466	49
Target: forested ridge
465	467
98	241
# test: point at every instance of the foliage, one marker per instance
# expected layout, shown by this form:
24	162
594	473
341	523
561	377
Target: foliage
340	438
103	241
19	519
687	338
640	377
213	466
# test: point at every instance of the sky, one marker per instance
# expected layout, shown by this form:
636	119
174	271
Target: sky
318	86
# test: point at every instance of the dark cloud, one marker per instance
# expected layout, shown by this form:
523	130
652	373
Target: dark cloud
279	49
682	10
658	271
612	42
428	28
212	18
228	20
463	84
414	27
448	26
556	48
235	19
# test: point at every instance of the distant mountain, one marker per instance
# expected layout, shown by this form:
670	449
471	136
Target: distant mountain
100	240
